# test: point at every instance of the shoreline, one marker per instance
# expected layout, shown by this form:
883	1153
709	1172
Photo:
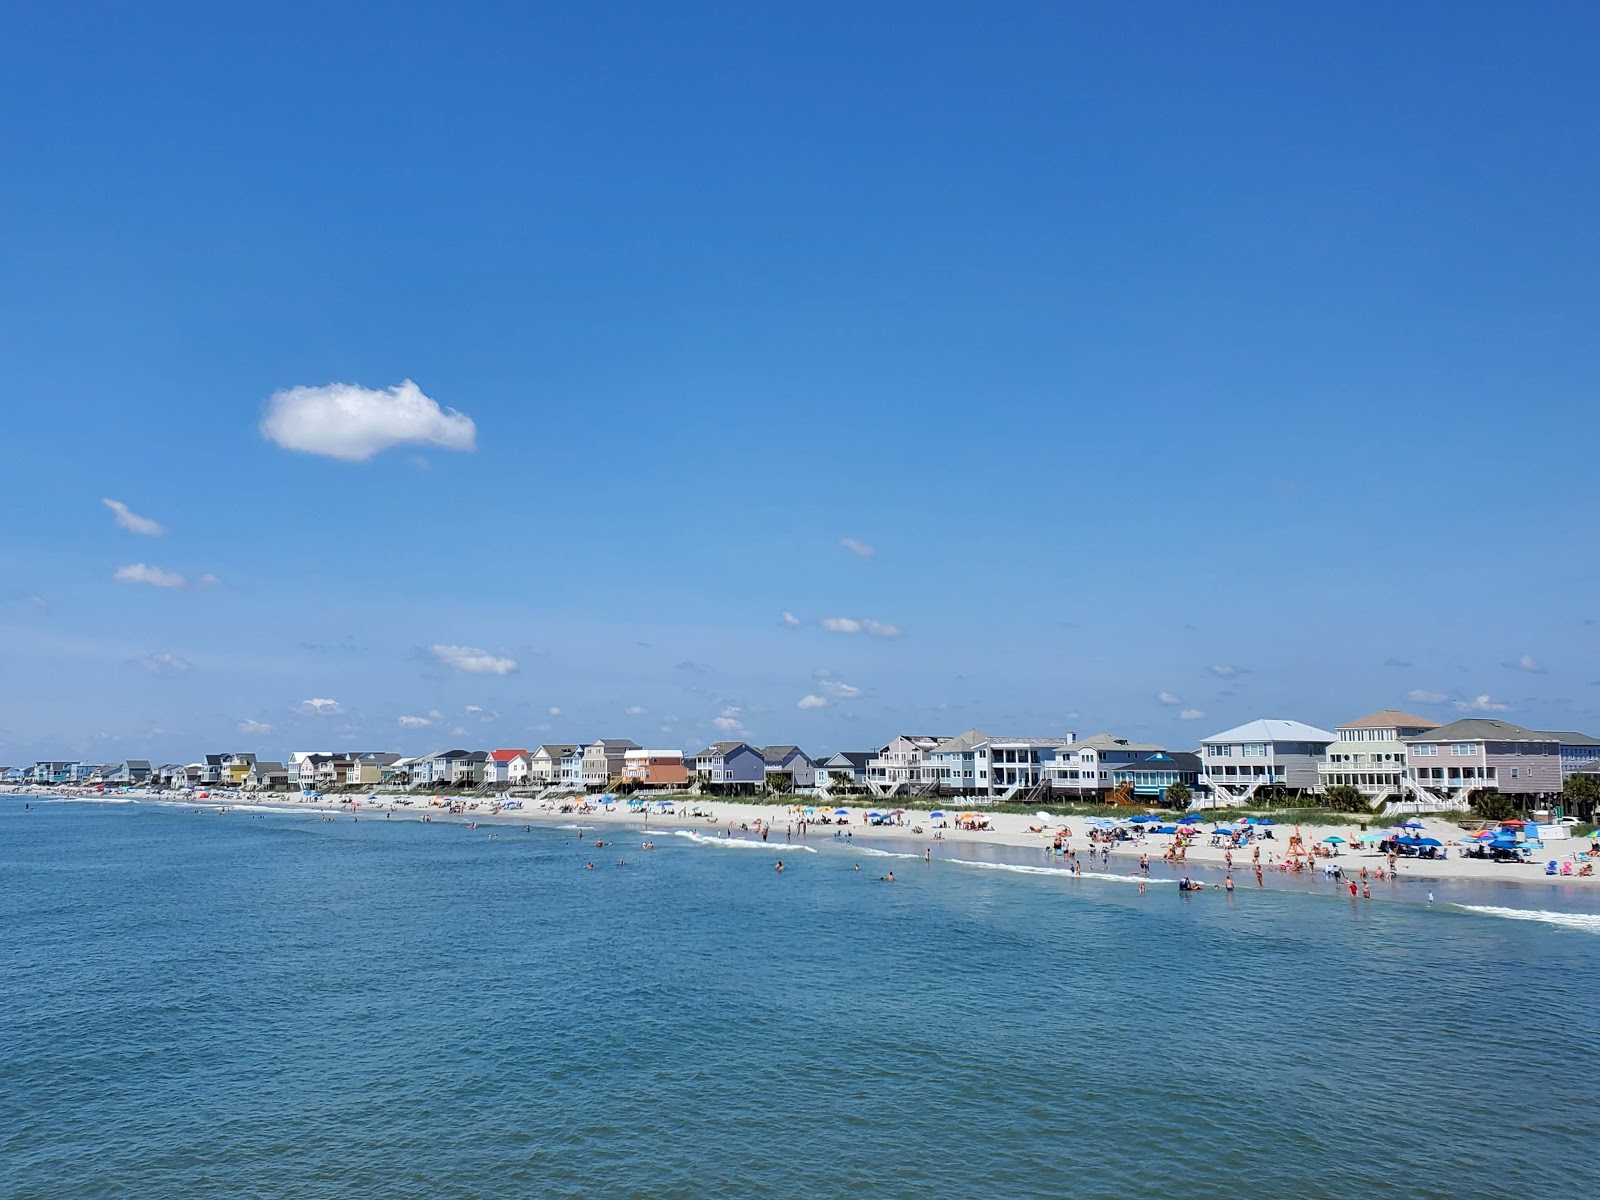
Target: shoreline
1008	830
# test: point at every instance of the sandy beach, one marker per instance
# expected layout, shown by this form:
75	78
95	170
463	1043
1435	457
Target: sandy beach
784	824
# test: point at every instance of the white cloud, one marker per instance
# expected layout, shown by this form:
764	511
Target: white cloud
1481	704
352	423
852	625
164	664
143	573
790	621
1423	696
127	519
859	549
1168	698
249	726
1222	670
416	722
554	712
208	581
472	660
633	710
729	721
1528	663
321	706
473	708
812	702
839	689
459	732
1191	714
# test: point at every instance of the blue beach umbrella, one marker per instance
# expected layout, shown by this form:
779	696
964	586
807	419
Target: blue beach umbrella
935	815
1412	823
1265	821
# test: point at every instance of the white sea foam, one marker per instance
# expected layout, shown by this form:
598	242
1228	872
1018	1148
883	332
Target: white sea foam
1583	922
701	839
883	853
87	800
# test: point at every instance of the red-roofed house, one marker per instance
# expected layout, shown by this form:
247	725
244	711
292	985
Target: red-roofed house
498	767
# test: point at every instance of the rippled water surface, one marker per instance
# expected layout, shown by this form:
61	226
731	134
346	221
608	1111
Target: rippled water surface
273	1005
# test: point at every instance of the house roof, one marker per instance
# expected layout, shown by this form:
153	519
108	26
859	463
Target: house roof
1482	729
1390	718
776	755
136	764
855	758
617	744
723	749
1164	760
270	768
504	755
1567	738
555	749
1273	729
1110	741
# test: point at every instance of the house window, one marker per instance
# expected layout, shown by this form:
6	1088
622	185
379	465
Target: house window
1463	750
1253	750
1425	751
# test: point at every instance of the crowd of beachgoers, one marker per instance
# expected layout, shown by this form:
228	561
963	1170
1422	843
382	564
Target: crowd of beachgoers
1255	847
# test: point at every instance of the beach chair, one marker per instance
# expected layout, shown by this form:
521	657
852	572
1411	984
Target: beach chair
1550	867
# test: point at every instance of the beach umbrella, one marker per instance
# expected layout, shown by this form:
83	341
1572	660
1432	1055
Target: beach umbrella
1335	840
1369	837
838	812
1265	821
1412	823
1043	816
1512	823
938	816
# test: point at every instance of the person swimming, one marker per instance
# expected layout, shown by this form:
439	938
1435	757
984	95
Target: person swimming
779	867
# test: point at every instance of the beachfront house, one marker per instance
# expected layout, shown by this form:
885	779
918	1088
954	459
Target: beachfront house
1579	752
235	767
1272	753
603	761
655	768
1082	768
544	768
570	774
267	777
130	772
1445	765
1370	754
732	764
366	767
789	768
12	774
89	772
211	770
994	769
52	772
903	763
497	767
466	768
844	772
1152	775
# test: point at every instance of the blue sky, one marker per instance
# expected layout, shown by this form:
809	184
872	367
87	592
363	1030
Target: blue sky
1177	364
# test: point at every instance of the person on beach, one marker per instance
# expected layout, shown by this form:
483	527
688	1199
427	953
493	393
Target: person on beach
1259	882
779	867
1430	897
1227	884
927	856
1366	890
1141	887
1144	863
891	878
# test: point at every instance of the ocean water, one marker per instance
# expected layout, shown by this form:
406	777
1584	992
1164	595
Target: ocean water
267	1004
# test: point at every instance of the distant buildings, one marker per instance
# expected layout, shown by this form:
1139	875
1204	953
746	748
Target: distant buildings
1281	755
1450	762
1369	754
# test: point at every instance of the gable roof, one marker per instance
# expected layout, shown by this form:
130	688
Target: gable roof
723	749
617	744
852	758
555	749
1109	741
776	755
501	756
1390	718
1273	729
1573	739
1481	729
1163	760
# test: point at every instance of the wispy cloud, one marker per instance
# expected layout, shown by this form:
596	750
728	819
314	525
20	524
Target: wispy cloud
144	573
633	710
352	423
1223	670
859	549
839	690
1191	714
1526	663
728	720
127	519
164	664
789	621
249	726
37	601
812	702
1423	696
1169	698
471	660
1481	704
321	706
553	711
861	625
416	722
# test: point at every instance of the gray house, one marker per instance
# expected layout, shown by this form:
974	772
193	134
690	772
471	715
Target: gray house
1270	753
793	762
1451	762
732	763
134	770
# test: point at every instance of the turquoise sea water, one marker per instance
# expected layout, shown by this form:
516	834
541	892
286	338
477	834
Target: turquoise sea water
273	1005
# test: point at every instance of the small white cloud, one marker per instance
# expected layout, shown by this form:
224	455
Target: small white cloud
249	726
127	519
1528	663
812	702
473	708
790	621
728	721
852	625
554	712
1191	714
1223	670
841	624
459	732
859	549
208	580
840	690
144	573
472	661
1168	698
352	423
321	706
878	629
1481	704
633	710
416	722
164	664
1423	696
